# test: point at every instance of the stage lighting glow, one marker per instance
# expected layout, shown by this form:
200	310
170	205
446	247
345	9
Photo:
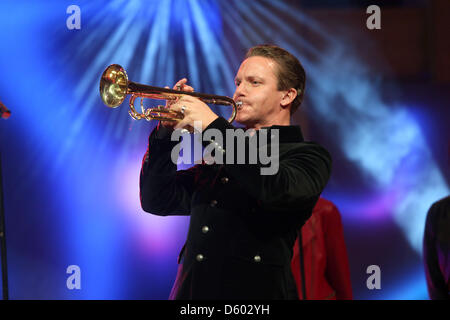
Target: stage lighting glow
153	234
89	156
384	141
411	286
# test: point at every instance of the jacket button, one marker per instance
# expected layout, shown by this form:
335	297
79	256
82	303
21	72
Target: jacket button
257	258
200	257
205	229
213	203
224	180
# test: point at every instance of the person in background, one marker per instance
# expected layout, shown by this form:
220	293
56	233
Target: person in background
436	250
320	265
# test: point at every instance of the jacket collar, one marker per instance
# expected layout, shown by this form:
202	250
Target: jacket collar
286	134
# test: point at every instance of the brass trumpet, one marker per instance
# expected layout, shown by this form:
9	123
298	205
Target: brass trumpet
115	86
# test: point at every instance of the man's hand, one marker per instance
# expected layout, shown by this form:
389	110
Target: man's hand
192	108
180	86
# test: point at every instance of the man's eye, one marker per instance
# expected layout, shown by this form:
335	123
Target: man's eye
255	82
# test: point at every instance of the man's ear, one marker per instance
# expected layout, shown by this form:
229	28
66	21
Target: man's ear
288	97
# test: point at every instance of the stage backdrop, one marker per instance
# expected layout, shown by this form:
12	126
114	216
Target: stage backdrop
71	165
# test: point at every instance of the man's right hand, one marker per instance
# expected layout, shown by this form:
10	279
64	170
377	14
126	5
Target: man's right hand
180	86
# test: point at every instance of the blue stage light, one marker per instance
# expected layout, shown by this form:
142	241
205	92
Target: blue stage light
87	154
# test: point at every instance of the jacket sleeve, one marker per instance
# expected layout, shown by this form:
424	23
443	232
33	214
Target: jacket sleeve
337	270
163	189
302	175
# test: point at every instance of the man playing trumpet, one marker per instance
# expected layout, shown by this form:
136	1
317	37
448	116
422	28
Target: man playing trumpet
243	223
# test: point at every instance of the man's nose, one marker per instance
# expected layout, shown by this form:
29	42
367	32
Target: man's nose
239	92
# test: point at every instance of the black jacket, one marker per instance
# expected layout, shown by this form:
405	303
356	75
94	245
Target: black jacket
243	224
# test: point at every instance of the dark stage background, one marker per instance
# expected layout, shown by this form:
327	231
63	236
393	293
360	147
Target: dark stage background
377	99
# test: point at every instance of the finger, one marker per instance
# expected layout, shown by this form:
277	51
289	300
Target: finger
187	99
180	84
169	102
168	124
188	88
182	124
177	106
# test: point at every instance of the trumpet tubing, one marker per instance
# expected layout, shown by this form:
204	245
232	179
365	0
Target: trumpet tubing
115	86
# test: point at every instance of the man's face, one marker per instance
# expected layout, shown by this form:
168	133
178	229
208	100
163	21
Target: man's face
256	86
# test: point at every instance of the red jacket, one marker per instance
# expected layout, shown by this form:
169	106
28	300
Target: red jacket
326	265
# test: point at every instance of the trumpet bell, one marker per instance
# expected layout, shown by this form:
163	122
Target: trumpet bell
114	86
